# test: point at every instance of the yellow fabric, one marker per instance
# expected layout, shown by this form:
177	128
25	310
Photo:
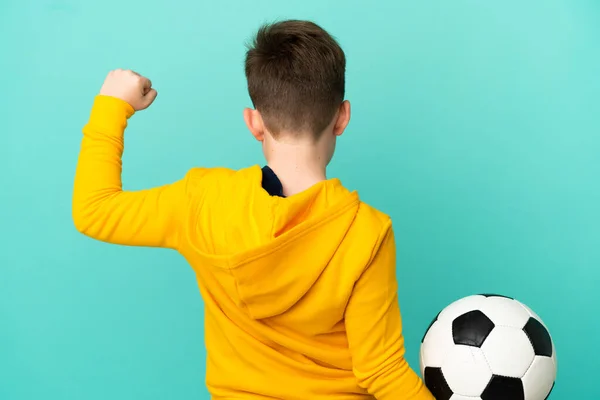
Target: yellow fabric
300	293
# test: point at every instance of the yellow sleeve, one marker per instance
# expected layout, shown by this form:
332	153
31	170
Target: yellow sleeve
101	209
374	329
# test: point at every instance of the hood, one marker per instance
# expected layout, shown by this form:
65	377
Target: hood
268	251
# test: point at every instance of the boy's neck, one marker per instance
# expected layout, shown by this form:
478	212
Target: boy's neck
297	178
297	168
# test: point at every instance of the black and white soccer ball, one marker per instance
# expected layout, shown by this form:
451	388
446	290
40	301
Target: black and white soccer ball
488	347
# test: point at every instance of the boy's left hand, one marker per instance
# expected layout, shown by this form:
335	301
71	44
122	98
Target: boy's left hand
130	87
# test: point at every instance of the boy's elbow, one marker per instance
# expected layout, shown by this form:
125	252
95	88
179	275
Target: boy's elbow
80	220
89	214
85	219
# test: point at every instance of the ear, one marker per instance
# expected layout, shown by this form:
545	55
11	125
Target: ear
254	123
343	118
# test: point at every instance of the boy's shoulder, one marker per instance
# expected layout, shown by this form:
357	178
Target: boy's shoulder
196	173
374	214
371	219
368	217
201	178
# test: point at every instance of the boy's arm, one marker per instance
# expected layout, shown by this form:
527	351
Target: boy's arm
100	208
374	330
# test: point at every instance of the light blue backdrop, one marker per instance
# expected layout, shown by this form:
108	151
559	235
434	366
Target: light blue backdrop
475	125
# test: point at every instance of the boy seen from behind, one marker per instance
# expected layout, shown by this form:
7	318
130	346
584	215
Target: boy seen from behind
298	276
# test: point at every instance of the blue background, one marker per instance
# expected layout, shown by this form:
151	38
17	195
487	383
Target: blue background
475	126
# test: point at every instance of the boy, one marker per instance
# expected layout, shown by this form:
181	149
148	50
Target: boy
296	273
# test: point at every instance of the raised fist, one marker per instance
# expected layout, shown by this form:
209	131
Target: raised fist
129	86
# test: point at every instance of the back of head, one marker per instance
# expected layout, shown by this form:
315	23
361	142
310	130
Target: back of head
296	77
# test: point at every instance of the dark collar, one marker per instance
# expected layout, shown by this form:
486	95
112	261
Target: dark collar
271	183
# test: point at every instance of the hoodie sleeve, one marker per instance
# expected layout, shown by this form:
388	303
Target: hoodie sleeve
374	330
100	208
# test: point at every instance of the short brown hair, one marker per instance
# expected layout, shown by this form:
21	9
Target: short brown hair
296	76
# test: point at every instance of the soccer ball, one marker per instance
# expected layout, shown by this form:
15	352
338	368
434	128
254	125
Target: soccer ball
488	347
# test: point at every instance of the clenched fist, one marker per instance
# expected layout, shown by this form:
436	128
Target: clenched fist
129	86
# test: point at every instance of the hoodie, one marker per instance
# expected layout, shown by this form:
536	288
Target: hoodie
300	293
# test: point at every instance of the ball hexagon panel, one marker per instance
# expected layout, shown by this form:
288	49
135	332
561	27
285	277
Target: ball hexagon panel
436	383
554	357
539	337
505	312
438	342
539	378
549	392
504	388
508	351
471	328
495	295
459	307
459	397
531	312
466	371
